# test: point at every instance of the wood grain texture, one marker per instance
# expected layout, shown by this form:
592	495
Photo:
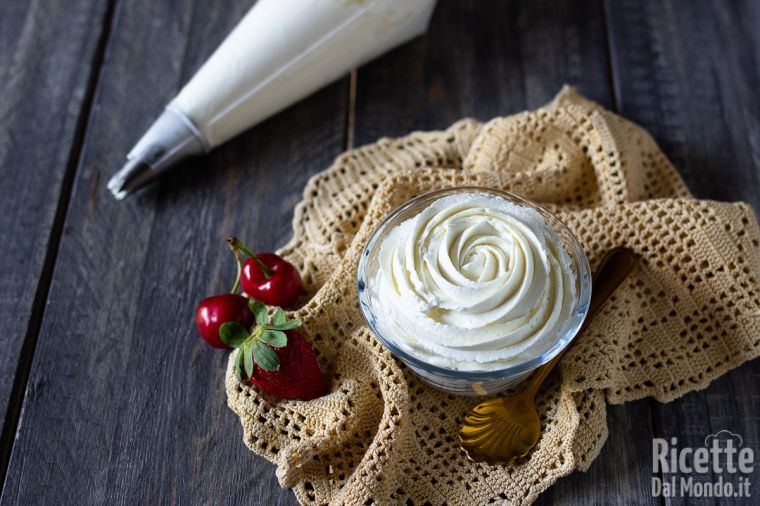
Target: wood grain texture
483	59
125	403
47	53
689	73
621	473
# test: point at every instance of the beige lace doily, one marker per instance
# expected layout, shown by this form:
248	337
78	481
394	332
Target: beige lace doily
689	314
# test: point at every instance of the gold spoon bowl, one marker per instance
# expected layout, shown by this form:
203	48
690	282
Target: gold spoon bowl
502	429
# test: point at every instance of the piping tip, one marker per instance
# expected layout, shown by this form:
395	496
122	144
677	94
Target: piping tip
170	139
133	175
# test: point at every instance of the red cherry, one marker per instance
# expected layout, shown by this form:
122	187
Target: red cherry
213	311
278	285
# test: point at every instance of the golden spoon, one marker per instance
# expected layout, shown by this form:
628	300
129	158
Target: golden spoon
501	429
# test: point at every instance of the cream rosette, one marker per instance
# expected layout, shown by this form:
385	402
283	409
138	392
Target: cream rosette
474	282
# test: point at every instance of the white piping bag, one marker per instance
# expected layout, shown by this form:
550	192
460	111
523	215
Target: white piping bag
280	52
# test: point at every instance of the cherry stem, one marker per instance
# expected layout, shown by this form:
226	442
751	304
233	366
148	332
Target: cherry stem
236	245
239	262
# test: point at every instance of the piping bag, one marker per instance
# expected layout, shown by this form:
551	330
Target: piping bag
280	52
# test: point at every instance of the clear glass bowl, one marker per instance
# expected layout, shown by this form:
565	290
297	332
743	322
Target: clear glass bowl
472	382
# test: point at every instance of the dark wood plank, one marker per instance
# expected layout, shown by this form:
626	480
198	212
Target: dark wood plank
688	72
490	58
47	62
125	403
483	59
621	472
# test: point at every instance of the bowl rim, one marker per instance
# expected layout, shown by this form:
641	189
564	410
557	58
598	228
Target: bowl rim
568	335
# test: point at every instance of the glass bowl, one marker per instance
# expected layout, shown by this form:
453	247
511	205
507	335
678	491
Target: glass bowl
485	382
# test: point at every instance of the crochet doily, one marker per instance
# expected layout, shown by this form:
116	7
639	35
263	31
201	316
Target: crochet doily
688	314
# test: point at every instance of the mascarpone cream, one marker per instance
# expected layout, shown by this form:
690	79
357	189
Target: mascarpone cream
474	283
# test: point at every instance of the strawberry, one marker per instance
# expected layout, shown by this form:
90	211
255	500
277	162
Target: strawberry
298	377
275	357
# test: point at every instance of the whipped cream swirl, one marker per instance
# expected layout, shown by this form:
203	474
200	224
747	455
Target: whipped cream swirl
474	282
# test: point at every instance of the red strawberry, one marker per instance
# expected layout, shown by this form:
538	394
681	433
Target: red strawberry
275	357
298	376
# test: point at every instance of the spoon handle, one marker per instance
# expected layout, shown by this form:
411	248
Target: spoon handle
616	265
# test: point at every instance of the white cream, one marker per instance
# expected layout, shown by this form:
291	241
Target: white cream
474	282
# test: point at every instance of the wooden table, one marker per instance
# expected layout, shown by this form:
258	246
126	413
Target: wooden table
107	394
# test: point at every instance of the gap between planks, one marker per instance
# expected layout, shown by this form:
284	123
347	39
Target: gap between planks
26	358
351	109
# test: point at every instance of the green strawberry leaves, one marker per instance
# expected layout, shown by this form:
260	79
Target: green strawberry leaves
239	367
259	310
279	317
257	346
265	357
288	325
248	359
276	338
280	322
233	334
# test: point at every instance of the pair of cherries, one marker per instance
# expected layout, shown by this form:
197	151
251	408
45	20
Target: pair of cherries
266	277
